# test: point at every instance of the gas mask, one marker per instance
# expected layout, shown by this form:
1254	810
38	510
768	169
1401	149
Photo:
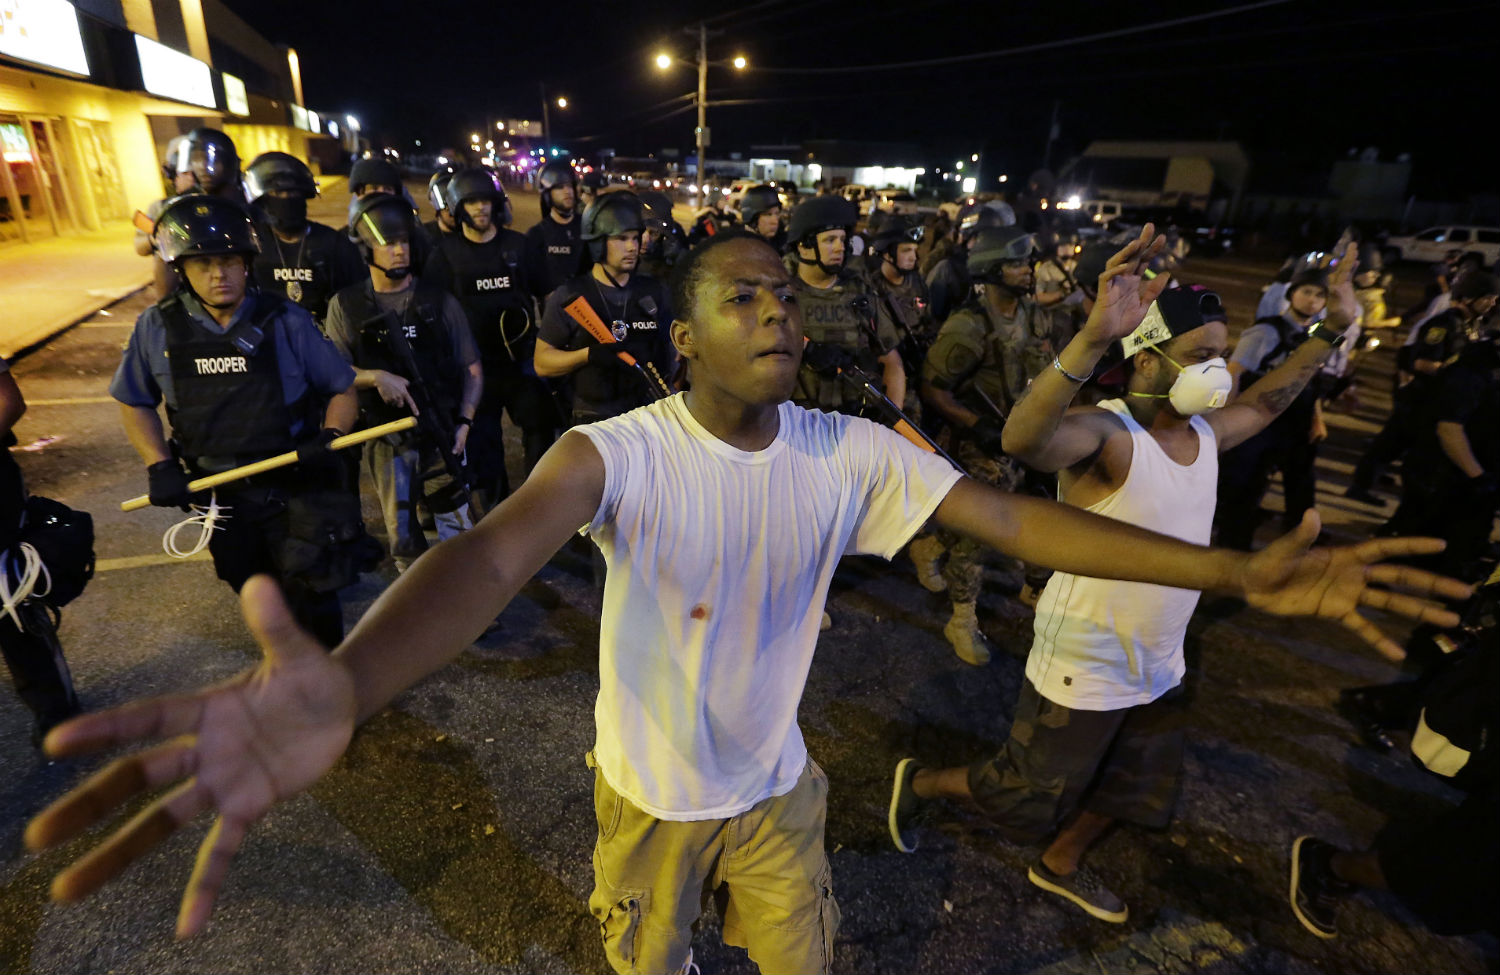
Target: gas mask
285	212
1199	388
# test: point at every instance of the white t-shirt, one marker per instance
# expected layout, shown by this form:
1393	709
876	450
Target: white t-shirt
719	564
1102	644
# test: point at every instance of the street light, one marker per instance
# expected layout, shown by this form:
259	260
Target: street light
562	102
739	63
474	137
974	158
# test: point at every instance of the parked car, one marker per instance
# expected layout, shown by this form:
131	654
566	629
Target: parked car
1101	213
856	193
737	193
1433	244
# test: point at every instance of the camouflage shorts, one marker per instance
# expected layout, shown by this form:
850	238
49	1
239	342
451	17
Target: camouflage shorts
1124	764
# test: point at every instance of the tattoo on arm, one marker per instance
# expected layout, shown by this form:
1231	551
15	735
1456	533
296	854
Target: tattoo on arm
1277	398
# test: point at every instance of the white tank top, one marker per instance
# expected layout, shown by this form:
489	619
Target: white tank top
1101	644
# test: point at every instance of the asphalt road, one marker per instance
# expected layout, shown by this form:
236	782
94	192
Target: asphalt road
455	835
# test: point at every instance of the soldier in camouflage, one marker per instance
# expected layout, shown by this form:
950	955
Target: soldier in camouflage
980	365
839	309
903	294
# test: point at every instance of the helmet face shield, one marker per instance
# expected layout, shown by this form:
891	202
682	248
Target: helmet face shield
207	163
197	225
384	224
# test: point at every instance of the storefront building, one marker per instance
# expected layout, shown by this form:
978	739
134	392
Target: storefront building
91	94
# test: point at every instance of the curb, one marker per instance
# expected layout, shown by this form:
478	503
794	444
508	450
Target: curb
101	298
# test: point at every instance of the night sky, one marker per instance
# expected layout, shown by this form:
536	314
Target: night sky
1299	83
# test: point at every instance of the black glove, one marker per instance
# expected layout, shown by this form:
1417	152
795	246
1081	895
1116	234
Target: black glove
314	455
603	355
168	484
825	359
986	433
1483	489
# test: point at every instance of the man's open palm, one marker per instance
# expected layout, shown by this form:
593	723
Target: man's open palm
235	749
1291	578
1125	294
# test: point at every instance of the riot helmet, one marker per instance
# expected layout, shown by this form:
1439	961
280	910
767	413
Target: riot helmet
974	217
667	238
210	157
201	225
279	186
477	183
1091	262
373	172
378	220
552	175
994	247
814	217
609	216
756	201
437	187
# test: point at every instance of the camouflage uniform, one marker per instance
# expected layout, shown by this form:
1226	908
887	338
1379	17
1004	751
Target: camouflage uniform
976	351
906	305
847	315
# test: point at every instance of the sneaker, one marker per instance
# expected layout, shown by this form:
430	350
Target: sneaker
904	804
1029	595
1363	496
925	554
826	624
1082	888
1315	891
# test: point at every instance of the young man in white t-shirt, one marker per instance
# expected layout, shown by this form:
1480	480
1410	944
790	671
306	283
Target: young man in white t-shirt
722	513
1096	734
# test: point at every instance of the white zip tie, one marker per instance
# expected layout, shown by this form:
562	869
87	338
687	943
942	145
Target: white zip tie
32	568
205	520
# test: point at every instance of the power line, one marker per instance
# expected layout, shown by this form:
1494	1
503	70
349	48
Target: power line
1029	48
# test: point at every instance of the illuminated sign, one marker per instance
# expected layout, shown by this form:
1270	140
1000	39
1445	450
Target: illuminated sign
234	95
172	74
43	32
314	124
299	117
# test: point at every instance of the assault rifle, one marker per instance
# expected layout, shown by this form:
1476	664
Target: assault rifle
825	360
433	423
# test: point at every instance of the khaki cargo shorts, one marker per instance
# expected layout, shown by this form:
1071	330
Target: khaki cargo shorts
765	868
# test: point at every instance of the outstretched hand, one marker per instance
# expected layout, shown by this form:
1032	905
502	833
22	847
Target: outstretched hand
235	749
1125	295
1291	578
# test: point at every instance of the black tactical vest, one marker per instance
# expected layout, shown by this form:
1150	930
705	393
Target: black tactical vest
230	400
422	324
488	282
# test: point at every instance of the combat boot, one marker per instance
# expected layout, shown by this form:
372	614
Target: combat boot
962	633
925	552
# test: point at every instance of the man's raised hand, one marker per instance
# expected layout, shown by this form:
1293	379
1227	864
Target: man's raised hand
235	749
1124	293
1291	578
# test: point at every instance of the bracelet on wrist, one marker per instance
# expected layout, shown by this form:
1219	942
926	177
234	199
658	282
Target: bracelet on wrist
464	421
1080	380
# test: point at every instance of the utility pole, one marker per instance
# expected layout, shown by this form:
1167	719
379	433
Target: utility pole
1052	134
546	119
702	98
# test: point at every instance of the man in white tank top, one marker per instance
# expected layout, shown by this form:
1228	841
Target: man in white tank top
1095	736
722	513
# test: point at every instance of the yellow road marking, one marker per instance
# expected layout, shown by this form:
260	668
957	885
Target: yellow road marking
141	561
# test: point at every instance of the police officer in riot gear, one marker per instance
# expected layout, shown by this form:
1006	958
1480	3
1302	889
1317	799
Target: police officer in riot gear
590	184
245	375
950	283
483	265
437	189
554	250
299	258
636	310
663	241
712	218
760	212
203	161
429	369
983	358
904	294
839	309
210	158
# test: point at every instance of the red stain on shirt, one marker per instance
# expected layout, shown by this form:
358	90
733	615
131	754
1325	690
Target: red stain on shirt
700	612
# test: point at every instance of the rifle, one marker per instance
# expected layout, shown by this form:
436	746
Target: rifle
831	357
433	423
583	313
